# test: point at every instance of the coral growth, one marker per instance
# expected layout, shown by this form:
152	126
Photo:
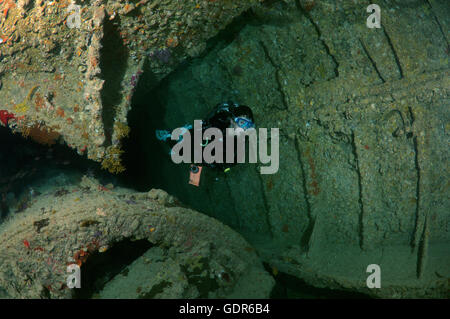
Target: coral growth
121	130
112	161
24	106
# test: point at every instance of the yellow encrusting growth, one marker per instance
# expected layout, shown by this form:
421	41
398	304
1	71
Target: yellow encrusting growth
121	130
24	107
112	161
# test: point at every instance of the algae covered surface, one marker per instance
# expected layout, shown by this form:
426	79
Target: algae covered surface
363	119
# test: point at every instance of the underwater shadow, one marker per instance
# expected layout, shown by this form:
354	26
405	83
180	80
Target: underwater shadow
144	153
113	64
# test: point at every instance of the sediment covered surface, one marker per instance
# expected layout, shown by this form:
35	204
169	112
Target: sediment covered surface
127	244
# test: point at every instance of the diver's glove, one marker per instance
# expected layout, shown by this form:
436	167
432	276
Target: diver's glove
162	135
186	128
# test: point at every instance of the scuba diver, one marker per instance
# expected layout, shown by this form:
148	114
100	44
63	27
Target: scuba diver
225	115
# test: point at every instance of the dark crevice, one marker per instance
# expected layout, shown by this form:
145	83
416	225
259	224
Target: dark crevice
144	172
438	23
113	65
24	164
266	205
360	199
100	268
291	287
394	52
421	251
319	34
415	238
306	237
372	61
277	77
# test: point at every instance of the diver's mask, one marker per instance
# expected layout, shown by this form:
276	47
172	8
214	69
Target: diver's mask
244	123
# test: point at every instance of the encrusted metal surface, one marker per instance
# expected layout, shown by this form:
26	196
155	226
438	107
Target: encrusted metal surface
69	70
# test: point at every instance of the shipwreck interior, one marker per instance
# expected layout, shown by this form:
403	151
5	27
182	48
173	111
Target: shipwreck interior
355	184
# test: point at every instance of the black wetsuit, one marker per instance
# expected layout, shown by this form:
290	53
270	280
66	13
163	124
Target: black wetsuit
221	117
